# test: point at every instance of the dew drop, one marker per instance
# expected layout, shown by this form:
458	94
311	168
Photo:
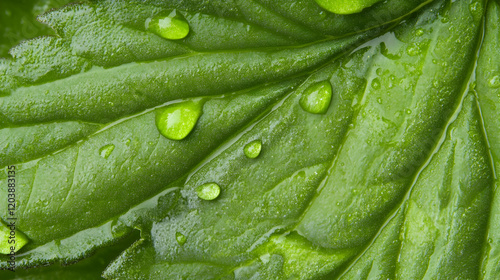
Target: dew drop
376	83
5	236
105	151
419	32
316	98
208	191
379	100
177	120
172	26
476	10
252	149
494	82
408	111
413	50
181	238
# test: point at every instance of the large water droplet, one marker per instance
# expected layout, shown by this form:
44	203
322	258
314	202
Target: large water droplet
252	149
105	151
8	232
181	238
178	120
208	191
316	98
171	26
494	82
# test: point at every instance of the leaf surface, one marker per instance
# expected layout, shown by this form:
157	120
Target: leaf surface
394	179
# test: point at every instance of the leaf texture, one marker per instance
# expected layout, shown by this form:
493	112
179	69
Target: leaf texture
396	180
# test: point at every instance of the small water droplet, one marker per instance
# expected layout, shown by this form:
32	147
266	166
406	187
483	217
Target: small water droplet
105	151
419	32
208	191
172	26
476	10
322	15
408	111
413	50
494	82
181	238
316	98
176	121
252	149
376	83
127	142
379	100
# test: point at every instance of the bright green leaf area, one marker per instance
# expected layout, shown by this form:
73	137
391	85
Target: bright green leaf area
254	139
345	7
11	240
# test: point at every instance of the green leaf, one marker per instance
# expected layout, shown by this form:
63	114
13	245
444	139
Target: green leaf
344	7
256	139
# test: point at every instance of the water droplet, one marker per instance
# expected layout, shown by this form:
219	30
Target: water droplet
181	238
176	121
419	32
494	82
408	111
376	83
316	98
379	100
172	26
252	149
105	151
7	234
208	191
476	10
413	50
